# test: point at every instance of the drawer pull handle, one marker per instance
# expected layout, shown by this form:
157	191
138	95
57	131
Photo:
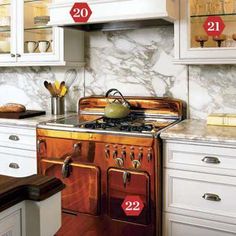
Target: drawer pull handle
211	160
211	197
14	166
14	138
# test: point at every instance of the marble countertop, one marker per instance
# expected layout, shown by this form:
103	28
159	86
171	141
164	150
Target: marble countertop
198	130
33	121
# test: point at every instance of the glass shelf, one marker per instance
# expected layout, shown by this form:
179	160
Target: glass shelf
40	29
225	15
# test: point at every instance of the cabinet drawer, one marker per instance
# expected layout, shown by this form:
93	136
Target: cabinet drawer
177	225
17	152
17	166
208	159
192	194
18	138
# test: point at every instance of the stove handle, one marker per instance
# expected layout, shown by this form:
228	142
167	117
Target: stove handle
65	171
126	178
39	142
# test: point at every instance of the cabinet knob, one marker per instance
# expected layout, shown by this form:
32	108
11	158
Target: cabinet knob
14	138
18	55
211	160
119	162
14	166
211	197
13	55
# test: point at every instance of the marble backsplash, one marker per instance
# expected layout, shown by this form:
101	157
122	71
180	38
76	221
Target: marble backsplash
25	85
138	63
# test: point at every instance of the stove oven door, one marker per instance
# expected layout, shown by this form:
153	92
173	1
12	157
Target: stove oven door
122	184
82	192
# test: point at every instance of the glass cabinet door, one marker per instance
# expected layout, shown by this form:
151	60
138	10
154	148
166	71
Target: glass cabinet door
199	12
7	31
194	44
37	39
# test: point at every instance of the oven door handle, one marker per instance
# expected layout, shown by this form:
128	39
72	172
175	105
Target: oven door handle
66	168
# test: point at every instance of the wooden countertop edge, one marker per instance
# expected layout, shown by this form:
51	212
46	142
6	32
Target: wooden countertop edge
35	188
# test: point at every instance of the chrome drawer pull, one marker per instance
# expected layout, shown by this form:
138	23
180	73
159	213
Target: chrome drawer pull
211	160
14	166
211	197
14	138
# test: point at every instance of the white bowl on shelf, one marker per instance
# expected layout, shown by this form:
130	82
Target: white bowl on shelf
5	21
5	46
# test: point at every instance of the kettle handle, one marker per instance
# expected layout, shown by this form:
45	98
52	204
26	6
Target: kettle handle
116	91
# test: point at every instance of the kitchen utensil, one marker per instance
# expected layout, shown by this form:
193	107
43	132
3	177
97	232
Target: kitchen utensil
118	108
32	46
62	85
63	91
49	87
70	77
44	45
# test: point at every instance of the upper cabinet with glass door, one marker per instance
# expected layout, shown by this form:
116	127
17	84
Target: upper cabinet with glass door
27	40
193	45
7	31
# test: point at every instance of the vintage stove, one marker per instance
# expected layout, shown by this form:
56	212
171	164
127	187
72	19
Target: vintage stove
102	161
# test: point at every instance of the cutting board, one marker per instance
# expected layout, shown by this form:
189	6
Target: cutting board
21	115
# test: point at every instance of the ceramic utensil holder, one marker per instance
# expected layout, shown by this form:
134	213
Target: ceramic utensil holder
57	105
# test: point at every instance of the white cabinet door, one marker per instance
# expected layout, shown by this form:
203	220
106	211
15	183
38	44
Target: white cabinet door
189	31
8	31
11	224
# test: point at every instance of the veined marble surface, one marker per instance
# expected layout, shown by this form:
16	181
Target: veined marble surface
137	62
212	89
25	85
198	130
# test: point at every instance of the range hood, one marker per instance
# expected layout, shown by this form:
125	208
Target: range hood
116	14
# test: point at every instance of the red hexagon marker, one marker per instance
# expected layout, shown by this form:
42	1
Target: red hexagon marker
132	205
214	25
80	12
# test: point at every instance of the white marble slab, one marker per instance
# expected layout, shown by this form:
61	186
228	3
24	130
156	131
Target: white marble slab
198	130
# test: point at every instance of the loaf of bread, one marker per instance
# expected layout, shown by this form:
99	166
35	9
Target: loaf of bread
12	107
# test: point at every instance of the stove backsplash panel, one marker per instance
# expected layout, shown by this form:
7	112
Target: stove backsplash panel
137	62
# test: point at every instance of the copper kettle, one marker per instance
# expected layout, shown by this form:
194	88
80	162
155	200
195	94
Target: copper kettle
119	107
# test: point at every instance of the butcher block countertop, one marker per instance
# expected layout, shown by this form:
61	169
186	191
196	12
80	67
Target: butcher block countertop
198	130
35	187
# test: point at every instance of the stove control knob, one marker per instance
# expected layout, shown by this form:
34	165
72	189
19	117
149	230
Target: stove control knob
115	154
119	162
140	156
149	155
136	164
131	155
123	154
107	153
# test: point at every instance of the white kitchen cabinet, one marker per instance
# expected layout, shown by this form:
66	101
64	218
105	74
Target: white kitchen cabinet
17	151
27	40
199	189
115	10
32	218
192	45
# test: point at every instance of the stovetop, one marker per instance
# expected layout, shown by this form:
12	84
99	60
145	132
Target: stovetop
131	125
